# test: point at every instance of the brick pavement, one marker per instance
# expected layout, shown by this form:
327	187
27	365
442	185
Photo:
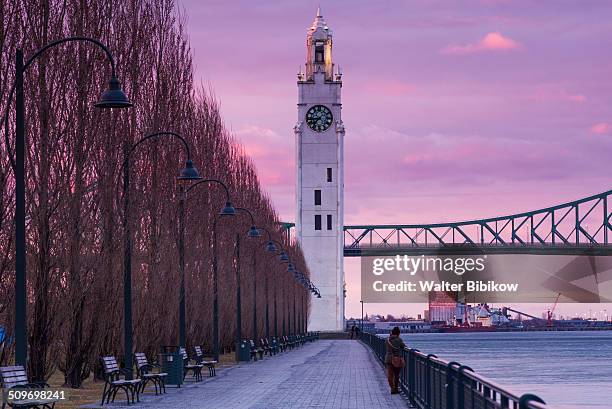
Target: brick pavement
322	374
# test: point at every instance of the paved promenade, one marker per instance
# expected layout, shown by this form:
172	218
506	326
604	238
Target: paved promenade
322	374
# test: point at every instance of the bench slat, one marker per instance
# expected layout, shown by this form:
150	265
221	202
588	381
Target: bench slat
12	376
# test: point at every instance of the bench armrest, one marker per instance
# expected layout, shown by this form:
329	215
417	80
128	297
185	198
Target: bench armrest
38	385
124	371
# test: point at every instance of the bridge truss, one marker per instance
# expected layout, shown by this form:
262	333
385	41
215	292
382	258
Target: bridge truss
579	227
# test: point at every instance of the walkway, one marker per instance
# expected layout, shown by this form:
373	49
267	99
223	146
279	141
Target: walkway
322	374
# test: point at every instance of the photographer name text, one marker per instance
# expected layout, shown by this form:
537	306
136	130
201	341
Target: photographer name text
428	285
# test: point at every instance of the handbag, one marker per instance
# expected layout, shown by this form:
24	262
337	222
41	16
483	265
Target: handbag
396	361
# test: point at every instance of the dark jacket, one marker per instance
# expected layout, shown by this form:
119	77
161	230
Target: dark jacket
395	349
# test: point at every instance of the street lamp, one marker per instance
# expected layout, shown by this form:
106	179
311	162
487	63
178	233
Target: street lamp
114	97
188	173
228	210
252	233
306	284
361	301
272	246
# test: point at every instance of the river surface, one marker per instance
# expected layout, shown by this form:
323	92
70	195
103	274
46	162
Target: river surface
566	369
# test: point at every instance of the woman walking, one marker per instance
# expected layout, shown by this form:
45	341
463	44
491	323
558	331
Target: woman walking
394	359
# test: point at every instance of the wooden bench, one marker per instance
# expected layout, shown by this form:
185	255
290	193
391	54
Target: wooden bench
145	372
255	350
281	344
15	378
113	382
288	342
299	341
210	364
268	349
273	344
196	368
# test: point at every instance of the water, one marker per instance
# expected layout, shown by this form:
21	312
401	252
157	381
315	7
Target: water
566	369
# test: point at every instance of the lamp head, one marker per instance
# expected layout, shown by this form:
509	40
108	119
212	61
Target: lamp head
270	247
189	173
253	232
228	210
114	97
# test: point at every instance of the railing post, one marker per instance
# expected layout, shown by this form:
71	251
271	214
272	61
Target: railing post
450	384
412	374
486	392
461	386
428	379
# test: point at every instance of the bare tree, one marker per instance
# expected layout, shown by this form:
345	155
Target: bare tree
74	160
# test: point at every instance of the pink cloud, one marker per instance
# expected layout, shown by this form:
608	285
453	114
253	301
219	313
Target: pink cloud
390	88
547	94
268	150
601	128
493	41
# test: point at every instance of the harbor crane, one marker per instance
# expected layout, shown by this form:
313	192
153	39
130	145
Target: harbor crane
549	314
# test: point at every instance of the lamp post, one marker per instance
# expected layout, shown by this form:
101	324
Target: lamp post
189	173
255	329
252	233
304	329
298	305
361	315
290	269
114	97
271	247
296	326
228	210
301	279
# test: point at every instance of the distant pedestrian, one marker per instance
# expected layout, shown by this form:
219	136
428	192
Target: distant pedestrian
357	331
353	331
394	359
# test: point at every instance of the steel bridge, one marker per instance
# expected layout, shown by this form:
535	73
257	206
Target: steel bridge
581	227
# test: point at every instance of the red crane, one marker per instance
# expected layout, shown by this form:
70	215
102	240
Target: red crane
549	320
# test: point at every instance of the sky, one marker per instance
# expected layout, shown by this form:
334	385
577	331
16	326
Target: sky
453	110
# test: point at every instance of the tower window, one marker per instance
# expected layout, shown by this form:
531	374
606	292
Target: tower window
317	197
329	222
329	174
319	52
317	222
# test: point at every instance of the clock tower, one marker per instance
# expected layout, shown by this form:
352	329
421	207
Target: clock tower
319	142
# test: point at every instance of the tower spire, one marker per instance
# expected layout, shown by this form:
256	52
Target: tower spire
319	21
319	49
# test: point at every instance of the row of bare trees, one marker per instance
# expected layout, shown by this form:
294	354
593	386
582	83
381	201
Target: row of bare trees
73	164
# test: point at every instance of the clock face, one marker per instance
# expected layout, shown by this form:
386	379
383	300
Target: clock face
319	118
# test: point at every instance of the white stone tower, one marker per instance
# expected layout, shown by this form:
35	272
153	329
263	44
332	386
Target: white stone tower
319	141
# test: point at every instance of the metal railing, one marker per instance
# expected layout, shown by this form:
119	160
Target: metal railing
432	383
